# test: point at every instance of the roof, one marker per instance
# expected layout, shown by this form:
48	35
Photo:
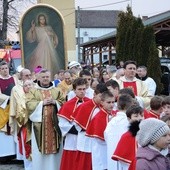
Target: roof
161	26
98	18
160	23
157	18
104	37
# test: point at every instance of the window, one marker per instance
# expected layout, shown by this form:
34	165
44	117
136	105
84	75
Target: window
104	57
92	38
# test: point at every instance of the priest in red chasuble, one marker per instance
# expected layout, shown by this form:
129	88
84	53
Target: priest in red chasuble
7	82
139	88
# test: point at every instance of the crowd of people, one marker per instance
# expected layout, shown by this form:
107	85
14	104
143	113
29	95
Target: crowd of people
84	119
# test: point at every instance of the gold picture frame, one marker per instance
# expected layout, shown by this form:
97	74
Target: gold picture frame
43	40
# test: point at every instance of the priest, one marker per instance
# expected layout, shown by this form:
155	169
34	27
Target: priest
43	103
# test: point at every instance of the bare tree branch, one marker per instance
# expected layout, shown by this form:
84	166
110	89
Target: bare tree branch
10	1
10	11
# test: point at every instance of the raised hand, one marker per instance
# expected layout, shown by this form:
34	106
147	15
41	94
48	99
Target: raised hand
32	25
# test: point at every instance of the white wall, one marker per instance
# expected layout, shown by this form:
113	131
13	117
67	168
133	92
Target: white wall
93	32
86	33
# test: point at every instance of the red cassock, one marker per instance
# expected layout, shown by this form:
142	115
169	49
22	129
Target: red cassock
98	125
83	161
84	112
82	116
126	150
151	114
68	161
67	110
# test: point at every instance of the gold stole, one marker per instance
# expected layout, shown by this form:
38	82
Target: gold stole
49	144
48	134
4	116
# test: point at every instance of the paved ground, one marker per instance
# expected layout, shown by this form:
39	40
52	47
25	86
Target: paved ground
13	165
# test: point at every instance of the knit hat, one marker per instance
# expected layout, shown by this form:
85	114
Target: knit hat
150	130
73	64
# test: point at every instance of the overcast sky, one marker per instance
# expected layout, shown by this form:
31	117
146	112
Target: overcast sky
139	7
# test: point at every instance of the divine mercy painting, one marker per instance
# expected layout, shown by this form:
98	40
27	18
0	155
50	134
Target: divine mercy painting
43	39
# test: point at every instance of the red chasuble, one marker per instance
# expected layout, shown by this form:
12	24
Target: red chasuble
131	85
126	150
69	107
98	125
84	112
151	114
6	85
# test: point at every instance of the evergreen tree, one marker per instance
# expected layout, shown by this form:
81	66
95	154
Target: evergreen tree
128	45
146	42
121	30
153	62
136	42
128	39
